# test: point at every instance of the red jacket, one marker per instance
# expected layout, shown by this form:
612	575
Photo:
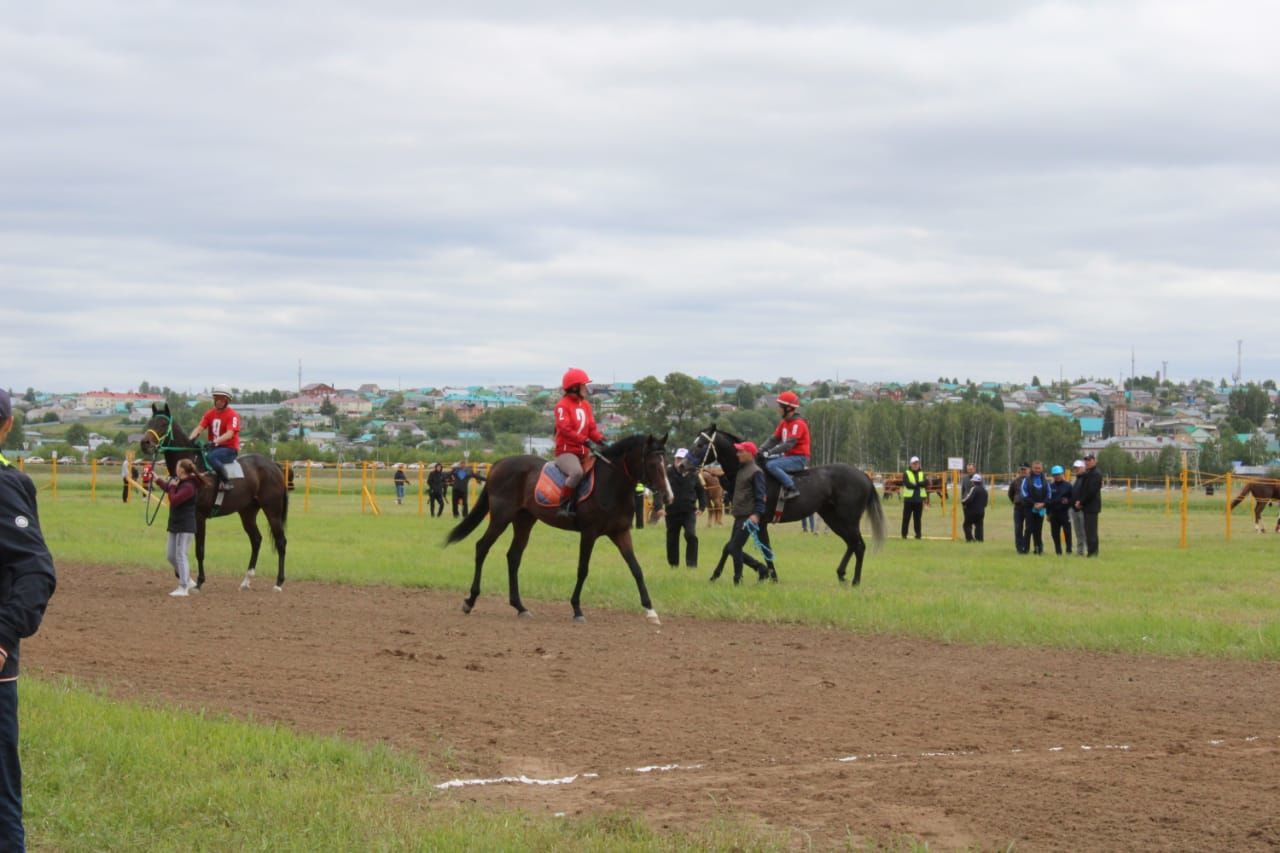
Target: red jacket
575	425
794	429
221	421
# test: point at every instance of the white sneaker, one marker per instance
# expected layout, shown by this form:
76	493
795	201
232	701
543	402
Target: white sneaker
192	588
180	592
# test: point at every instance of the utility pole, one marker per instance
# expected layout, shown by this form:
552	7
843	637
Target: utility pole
299	376
1235	377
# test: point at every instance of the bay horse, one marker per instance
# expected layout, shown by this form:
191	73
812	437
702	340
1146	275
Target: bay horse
1263	494
839	493
261	489
508	498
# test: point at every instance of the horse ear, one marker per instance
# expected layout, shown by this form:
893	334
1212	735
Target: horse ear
663	440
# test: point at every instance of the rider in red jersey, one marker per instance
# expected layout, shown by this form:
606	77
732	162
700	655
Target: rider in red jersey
575	428
787	450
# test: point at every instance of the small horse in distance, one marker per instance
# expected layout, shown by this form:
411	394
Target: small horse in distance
839	493
509	498
261	489
1263	494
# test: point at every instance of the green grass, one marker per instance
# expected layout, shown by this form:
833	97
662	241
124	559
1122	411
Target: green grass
1146	595
111	775
104	775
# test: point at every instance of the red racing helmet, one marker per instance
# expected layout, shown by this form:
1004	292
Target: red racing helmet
789	398
574	376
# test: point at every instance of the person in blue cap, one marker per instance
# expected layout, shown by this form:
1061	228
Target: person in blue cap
1059	511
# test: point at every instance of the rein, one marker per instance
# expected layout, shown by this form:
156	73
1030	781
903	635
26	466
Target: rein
148	515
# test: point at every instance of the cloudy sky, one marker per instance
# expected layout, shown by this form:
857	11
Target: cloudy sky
889	189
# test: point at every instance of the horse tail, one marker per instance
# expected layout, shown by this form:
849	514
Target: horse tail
463	528
1247	490
875	514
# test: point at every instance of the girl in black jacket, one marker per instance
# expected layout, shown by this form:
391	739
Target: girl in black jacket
182	522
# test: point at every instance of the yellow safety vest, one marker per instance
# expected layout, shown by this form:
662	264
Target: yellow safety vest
912	485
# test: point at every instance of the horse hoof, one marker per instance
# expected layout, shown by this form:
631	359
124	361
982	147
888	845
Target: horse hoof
244	584
525	614
652	617
278	588
466	607
580	619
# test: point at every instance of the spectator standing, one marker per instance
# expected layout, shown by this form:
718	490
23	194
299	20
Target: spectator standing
1035	498
748	504
27	581
461	478
638	521
966	482
914	496
435	490
182	493
1077	515
975	508
1059	511
401	480
688	501
1019	512
1089	502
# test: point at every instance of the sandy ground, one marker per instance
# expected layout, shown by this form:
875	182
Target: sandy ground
829	737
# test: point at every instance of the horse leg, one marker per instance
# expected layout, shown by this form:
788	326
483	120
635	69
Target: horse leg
855	545
519	539
1258	507
623	542
280	542
586	543
249	521
483	544
201	521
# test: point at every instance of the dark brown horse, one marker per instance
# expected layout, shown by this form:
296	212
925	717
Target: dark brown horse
508	498
261	489
1263	494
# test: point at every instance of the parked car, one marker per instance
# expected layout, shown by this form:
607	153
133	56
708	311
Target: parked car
34	460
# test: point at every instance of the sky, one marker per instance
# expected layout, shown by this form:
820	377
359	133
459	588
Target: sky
417	194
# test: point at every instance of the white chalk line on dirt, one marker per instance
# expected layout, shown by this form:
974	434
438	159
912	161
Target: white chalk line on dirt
848	759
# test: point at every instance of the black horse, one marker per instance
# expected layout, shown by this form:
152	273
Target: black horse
839	493
262	488
509	498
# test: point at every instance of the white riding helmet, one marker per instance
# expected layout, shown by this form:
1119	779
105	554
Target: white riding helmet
222	390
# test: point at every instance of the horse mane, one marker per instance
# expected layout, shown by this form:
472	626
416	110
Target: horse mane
623	446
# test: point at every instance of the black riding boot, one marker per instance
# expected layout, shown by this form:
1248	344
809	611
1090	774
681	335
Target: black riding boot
568	508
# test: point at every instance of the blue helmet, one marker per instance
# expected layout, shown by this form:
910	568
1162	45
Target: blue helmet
1055	470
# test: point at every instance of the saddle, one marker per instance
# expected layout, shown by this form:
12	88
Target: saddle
551	492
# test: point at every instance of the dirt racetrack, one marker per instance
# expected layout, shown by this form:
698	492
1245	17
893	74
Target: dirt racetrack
830	737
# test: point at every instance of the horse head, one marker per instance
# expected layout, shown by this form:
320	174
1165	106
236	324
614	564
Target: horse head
159	430
654	473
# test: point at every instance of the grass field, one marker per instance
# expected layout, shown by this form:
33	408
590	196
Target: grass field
109	775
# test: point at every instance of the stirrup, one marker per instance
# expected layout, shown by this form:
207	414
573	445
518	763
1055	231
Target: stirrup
568	509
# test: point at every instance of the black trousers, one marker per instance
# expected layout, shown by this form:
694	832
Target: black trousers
459	499
11	832
436	504
638	524
1060	531
688	522
734	548
911	510
973	527
1091	534
1033	539
1020	528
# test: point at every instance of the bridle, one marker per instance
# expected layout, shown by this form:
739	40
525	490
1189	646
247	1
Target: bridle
711	456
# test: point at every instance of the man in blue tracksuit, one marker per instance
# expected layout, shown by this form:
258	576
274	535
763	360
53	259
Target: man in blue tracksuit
1035	500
